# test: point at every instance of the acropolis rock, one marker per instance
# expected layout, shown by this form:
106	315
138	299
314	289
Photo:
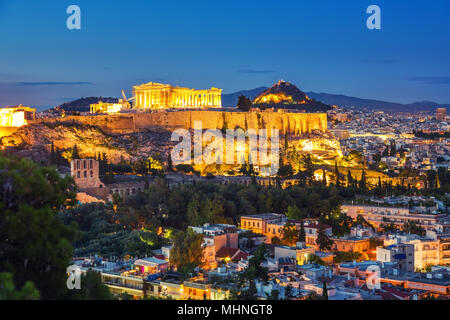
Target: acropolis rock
292	123
140	135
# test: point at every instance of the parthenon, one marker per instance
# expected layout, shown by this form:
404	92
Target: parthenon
163	96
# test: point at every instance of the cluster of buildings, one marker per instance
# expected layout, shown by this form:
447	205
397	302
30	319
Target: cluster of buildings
372	134
86	174
410	266
398	216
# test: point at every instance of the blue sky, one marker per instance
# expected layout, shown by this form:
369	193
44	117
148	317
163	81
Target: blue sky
321	46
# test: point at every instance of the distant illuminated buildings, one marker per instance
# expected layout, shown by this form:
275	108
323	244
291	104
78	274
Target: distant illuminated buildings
341	134
16	116
379	216
441	114
110	108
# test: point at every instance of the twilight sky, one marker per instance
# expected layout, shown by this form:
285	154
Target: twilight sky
321	46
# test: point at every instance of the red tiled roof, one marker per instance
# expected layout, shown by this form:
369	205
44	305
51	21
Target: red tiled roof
387	296
226	252
396	292
241	255
159	256
232	253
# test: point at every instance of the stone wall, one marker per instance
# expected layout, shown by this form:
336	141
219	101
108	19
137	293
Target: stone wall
292	123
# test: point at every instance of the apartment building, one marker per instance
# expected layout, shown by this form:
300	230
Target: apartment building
378	216
215	238
402	254
312	230
351	244
259	223
426	250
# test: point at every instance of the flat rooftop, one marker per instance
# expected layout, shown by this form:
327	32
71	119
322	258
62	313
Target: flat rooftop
263	216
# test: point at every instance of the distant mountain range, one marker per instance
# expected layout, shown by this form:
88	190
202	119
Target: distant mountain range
230	100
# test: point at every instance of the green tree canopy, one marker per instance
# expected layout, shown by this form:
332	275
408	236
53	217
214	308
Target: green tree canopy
187	252
244	103
323	241
414	228
92	288
294	213
289	234
8	290
253	272
34	243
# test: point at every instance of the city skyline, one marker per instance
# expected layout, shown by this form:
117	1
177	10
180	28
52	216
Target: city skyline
224	45
244	152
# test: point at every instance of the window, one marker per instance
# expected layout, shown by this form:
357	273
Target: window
90	164
78	174
78	164
92	174
85	174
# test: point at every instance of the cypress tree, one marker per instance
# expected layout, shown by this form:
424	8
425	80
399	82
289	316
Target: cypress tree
75	152
52	154
169	163
362	182
302	233
349	178
336	172
324	291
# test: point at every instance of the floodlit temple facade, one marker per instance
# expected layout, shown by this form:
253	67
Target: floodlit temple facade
16	116
163	96
105	107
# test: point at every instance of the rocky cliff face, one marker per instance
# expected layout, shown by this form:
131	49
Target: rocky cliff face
90	140
292	123
134	137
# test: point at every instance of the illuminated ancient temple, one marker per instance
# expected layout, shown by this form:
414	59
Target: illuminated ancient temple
16	116
163	96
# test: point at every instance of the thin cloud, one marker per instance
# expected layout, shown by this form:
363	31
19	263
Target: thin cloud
54	83
254	71
381	61
430	80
